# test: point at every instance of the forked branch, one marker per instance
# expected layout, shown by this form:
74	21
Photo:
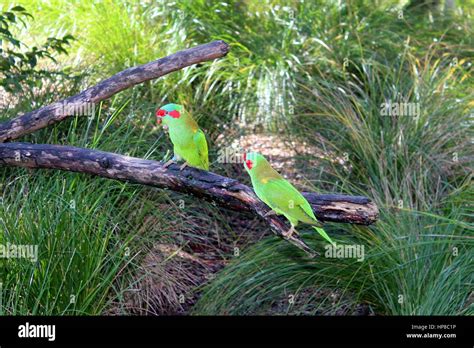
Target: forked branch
224	191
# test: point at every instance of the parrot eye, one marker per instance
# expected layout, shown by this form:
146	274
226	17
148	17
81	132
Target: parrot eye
174	114
160	113
249	164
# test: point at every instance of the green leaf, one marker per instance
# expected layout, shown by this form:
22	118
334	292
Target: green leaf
18	8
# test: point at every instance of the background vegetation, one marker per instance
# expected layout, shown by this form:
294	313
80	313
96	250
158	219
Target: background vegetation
303	84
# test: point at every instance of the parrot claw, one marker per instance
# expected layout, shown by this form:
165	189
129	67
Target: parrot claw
290	232
270	212
167	164
184	165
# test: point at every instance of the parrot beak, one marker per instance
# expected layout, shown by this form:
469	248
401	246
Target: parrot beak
158	120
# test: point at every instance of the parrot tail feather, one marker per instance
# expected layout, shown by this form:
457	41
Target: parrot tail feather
323	234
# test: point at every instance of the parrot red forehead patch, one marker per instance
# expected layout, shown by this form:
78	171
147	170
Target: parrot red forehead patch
174	114
160	113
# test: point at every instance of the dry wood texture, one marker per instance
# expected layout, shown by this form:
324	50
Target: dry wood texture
57	112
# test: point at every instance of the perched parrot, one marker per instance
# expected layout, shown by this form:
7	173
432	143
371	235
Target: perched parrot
281	196
188	140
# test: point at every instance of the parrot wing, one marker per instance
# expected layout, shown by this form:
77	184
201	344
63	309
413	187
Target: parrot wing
282	196
306	207
201	146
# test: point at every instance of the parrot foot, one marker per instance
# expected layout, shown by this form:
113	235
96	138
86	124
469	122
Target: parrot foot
290	232
167	164
184	165
270	213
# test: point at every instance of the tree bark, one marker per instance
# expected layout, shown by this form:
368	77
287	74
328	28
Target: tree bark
224	191
58	111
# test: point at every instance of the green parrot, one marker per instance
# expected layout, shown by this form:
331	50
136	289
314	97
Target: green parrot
188	140
281	196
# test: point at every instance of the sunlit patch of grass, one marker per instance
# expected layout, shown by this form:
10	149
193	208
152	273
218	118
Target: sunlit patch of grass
396	157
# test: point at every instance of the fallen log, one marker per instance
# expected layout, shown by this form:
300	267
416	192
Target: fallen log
224	191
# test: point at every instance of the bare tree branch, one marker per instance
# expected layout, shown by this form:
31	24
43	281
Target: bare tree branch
57	112
224	191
